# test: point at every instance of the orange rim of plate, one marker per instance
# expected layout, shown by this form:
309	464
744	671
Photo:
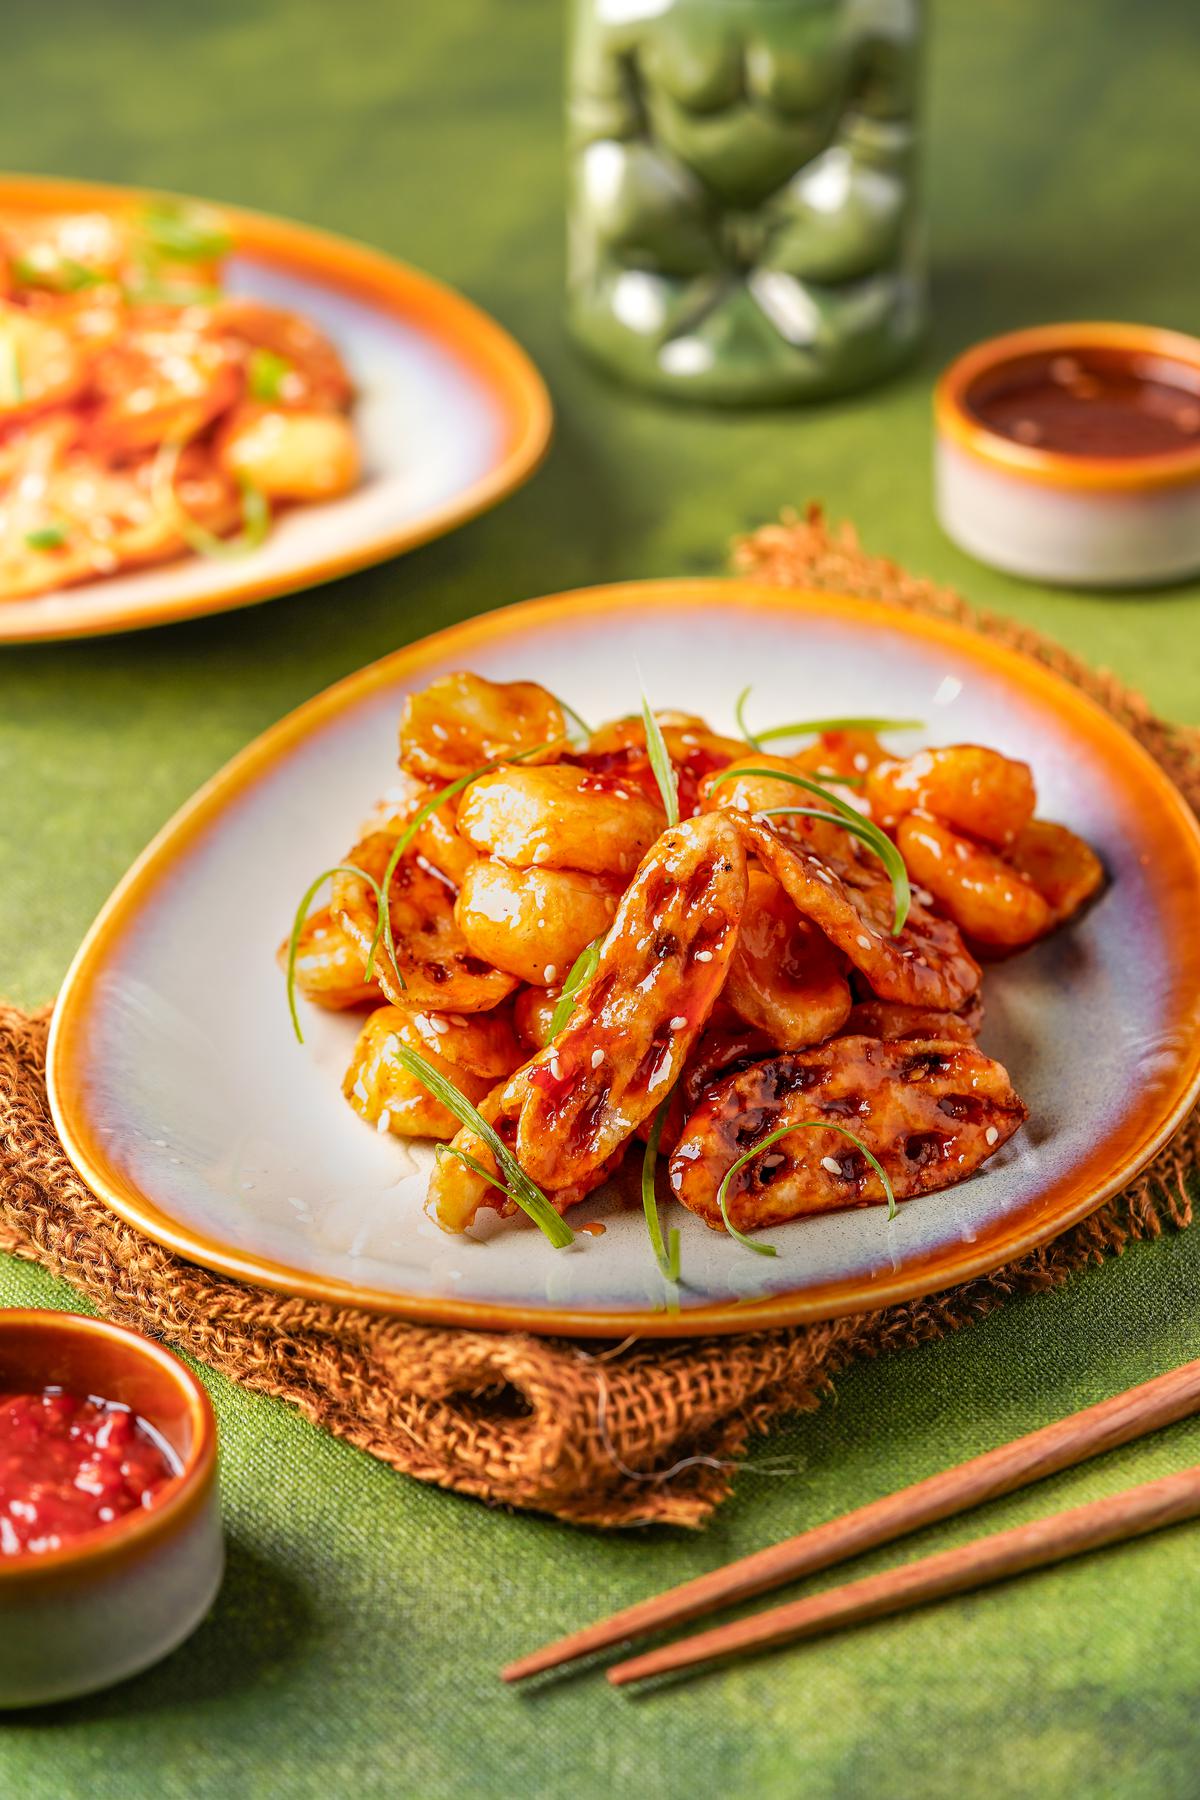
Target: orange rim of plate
135	1533
464	330
1107	1168
1053	468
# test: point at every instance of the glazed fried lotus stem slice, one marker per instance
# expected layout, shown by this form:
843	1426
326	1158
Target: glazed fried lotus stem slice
931	1111
636	1021
927	964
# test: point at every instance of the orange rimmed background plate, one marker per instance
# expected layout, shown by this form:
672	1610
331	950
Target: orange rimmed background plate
451	416
184	1100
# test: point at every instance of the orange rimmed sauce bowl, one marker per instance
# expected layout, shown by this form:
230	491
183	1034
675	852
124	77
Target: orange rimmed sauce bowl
109	1601
1071	454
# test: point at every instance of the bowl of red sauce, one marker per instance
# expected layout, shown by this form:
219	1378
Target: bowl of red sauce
1071	454
110	1537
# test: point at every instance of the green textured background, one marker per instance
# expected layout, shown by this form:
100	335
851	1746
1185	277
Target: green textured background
353	1649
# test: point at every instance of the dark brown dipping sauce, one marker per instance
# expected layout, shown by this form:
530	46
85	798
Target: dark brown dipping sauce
1091	403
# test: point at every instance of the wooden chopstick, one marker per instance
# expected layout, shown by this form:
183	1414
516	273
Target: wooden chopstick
1120	1420
1125	1515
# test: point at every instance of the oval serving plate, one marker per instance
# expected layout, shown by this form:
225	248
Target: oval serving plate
184	1100
451	416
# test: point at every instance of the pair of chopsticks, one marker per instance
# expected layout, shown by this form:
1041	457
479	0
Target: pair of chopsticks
1130	1514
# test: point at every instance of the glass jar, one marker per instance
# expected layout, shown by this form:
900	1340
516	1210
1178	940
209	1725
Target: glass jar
742	218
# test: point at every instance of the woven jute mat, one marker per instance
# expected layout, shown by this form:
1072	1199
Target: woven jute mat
638	1433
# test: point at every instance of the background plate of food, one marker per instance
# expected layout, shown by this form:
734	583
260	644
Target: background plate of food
963	978
202	407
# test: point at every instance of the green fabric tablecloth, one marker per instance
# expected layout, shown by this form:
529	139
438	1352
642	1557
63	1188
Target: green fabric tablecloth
354	1647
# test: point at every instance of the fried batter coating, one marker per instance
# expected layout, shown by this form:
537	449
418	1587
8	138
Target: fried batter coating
329	965
560	817
473	1053
752	792
971	788
926	965
433	965
1065	871
786	978
985	896
459	722
533	923
930	1111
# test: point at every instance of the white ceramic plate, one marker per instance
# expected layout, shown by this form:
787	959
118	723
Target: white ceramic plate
451	416
183	1098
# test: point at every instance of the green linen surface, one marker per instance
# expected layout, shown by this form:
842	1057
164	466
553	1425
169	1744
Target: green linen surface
354	1647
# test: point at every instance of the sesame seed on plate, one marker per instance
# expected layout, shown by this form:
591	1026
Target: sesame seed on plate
704	956
597	1058
991	1134
864	941
551	971
830	1163
678	1022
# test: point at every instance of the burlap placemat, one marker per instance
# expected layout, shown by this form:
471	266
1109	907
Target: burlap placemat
623	1435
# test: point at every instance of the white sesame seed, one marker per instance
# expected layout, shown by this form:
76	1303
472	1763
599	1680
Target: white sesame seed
441	1026
704	956
678	1022
383	1122
597	1058
864	941
991	1134
828	1162
861	761
551	971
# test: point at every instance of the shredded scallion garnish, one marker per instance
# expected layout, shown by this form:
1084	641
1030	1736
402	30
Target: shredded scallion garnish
865	830
581	971
815	727
47	537
183	234
739	713
773	1137
12	381
524	1192
266	374
256	511
62	274
660	762
665	1255
298	927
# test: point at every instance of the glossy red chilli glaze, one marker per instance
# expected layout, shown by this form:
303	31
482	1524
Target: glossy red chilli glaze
70	1465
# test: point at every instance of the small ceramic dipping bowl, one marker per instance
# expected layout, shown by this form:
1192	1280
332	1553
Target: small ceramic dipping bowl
104	1605
1071	454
